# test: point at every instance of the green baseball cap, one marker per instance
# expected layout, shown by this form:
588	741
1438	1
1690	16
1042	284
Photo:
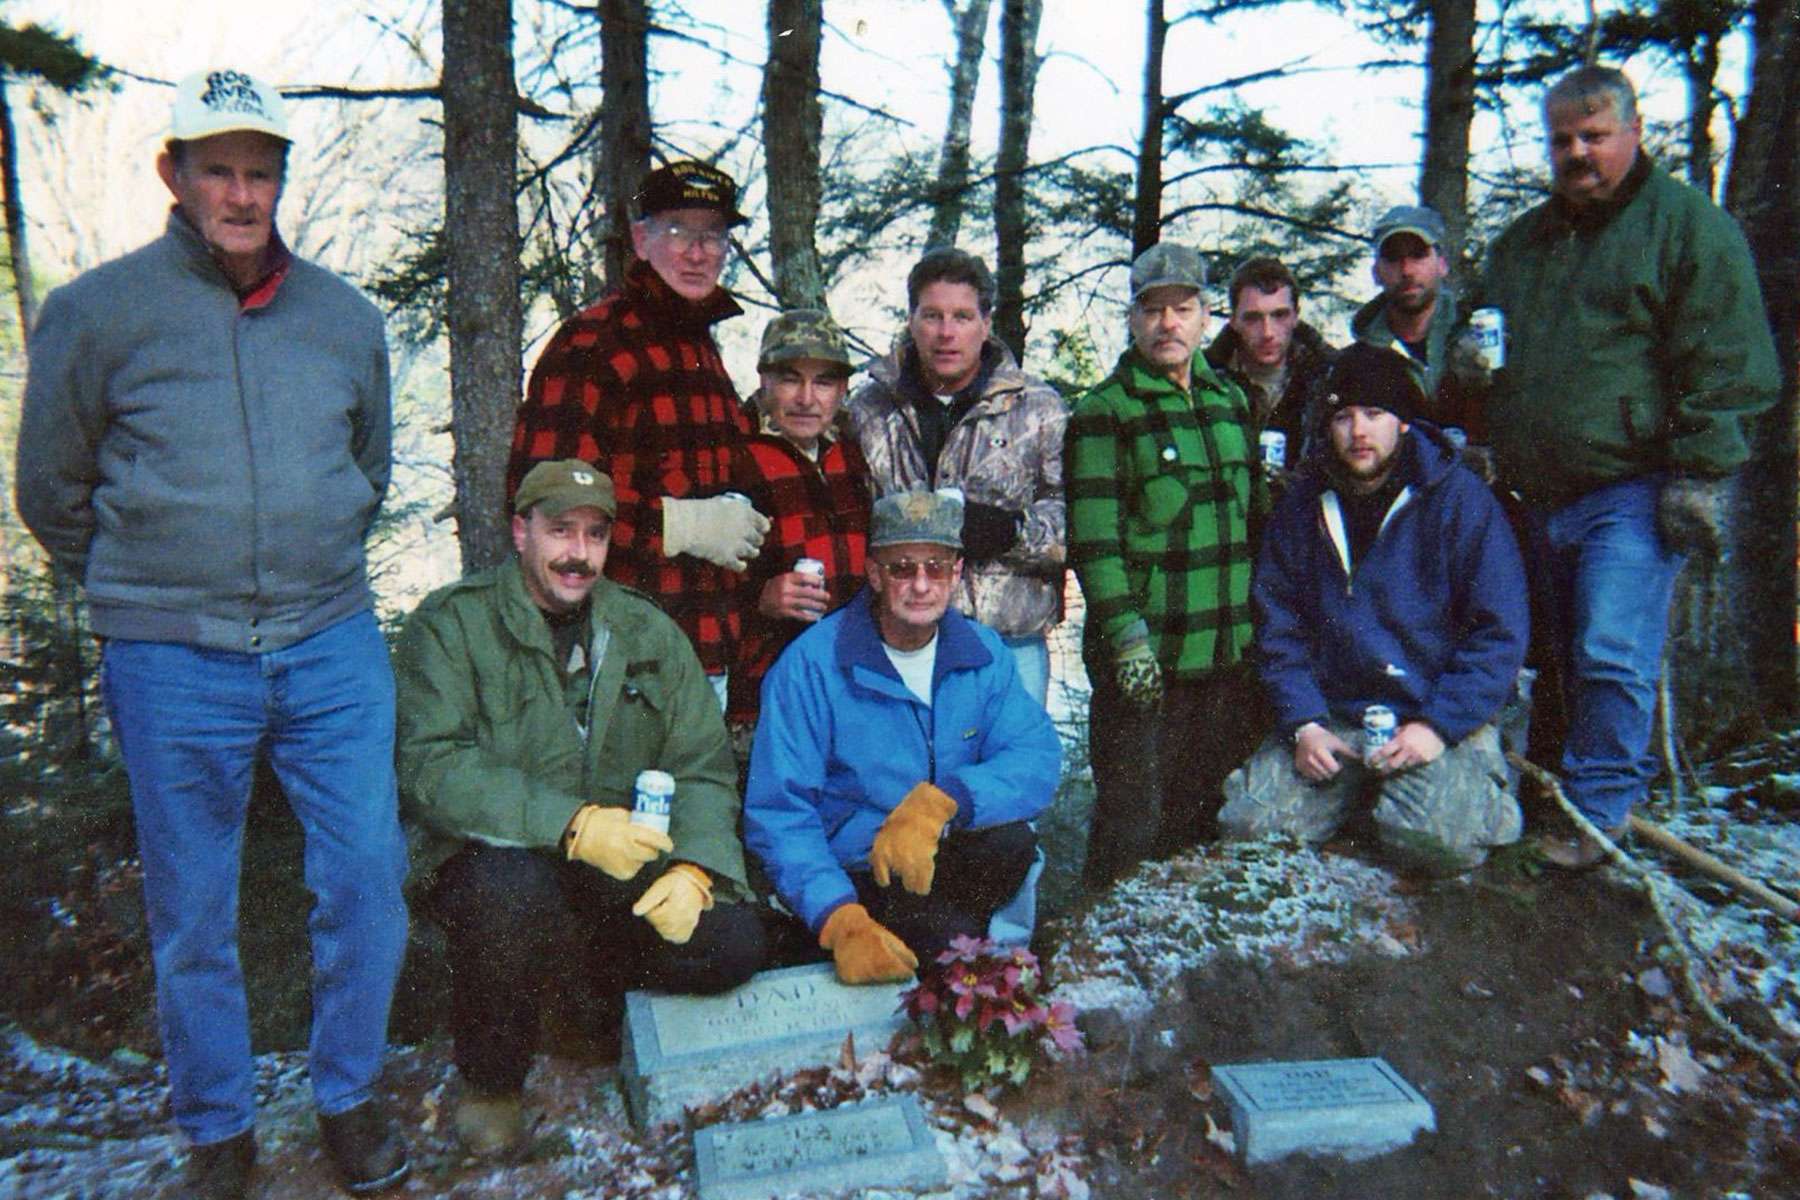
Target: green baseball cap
556	487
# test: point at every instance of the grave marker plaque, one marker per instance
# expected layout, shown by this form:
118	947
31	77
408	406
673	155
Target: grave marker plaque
882	1143
1353	1107
679	1050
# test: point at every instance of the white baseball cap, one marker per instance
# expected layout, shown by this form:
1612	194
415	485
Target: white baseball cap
225	101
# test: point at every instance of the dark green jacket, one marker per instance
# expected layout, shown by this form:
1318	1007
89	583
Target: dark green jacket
488	745
1636	341
1448	403
1161	486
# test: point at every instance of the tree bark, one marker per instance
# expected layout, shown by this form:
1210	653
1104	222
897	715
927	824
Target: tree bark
949	196
1019	21
481	239
1146	213
23	286
1762	191
624	157
792	123
1449	111
1701	66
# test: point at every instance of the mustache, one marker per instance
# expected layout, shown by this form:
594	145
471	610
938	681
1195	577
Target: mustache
573	566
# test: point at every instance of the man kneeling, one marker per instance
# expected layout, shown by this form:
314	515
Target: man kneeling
531	696
899	760
1389	577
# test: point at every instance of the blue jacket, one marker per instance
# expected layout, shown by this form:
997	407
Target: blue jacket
1432	622
841	741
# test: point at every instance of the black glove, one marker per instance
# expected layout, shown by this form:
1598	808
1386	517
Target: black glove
989	531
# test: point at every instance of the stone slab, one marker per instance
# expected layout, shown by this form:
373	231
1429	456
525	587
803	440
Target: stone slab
1350	1107
882	1143
680	1050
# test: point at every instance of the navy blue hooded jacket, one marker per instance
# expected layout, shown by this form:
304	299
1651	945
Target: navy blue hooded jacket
1432	622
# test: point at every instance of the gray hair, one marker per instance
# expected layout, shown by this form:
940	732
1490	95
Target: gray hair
1584	85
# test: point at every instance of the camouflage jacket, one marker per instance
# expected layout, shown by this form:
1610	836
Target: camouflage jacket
1005	451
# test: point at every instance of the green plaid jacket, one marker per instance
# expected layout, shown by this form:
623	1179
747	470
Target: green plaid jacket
1161	485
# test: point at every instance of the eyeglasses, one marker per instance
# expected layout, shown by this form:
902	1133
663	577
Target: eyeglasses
713	241
904	569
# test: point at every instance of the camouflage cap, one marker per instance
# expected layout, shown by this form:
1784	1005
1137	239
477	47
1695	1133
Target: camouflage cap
689	183
1167	265
556	487
803	333
934	518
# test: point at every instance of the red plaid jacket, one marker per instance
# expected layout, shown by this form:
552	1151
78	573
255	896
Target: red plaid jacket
820	510
635	385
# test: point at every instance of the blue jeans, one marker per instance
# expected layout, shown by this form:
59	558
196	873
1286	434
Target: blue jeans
1031	656
1612	578
191	723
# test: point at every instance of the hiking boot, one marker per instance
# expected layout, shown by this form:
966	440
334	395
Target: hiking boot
1578	851
221	1170
368	1154
490	1124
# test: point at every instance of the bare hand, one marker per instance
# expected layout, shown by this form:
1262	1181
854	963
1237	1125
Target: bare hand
1413	745
795	596
1318	751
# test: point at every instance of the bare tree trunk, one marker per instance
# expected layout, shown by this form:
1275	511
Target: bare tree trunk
1449	110
792	123
481	237
624	120
948	200
1701	66
1146	213
15	218
1019	21
1762	191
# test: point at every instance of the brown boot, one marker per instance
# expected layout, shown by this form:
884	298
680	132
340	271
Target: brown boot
490	1124
1578	851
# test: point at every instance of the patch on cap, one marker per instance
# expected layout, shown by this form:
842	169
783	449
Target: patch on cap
689	183
225	101
556	487
934	518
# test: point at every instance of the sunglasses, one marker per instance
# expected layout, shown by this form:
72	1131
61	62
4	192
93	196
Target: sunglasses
936	569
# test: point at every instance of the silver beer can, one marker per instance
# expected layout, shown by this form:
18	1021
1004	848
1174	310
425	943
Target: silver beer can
653	798
1273	443
1378	728
736	497
1488	327
812	567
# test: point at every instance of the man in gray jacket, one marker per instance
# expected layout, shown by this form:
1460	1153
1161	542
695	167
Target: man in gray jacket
204	445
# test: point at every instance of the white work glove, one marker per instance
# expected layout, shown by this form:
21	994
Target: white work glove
721	530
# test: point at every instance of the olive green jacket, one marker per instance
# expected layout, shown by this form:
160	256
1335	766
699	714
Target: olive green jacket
488	744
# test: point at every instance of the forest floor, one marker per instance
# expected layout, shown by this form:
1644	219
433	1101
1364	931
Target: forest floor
1544	1016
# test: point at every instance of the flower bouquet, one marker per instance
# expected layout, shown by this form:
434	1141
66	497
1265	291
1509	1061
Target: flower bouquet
980	1010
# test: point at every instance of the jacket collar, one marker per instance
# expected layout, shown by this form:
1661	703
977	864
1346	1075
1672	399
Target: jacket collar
525	622
1565	216
650	289
999	383
199	258
1135	374
859	649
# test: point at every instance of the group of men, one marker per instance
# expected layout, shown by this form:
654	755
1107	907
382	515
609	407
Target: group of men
835	604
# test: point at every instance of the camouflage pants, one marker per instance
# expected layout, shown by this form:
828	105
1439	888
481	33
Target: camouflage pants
1438	819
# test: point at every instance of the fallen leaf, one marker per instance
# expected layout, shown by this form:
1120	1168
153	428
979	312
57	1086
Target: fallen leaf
1224	1139
1647	1191
1538	1076
1585	1105
982	1107
1680	1072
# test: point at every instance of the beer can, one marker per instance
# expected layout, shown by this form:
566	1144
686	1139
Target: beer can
811	566
1274	448
739	497
653	798
1378	728
1488	327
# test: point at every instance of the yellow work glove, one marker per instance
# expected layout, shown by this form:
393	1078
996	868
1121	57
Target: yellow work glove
673	903
907	842
603	836
866	951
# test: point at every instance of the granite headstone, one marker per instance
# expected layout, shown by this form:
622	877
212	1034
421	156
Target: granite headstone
1350	1107
879	1143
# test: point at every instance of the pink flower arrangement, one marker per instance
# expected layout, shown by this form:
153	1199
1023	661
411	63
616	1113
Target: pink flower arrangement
980	1011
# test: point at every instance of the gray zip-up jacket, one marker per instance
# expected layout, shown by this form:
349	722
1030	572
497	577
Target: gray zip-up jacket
207	470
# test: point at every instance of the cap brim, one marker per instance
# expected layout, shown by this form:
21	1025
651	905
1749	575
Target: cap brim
1427	236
